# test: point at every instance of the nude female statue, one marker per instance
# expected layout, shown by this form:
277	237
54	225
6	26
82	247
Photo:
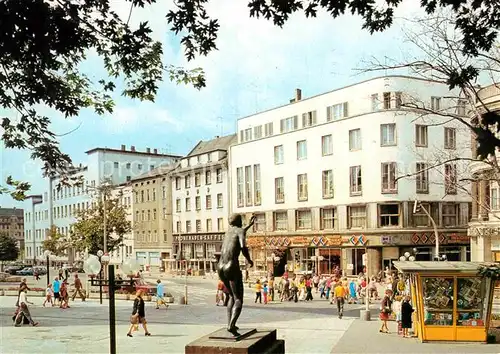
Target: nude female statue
229	267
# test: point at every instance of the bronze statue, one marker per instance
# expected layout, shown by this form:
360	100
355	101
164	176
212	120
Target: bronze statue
229	267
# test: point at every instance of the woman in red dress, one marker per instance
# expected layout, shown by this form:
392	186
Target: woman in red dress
385	311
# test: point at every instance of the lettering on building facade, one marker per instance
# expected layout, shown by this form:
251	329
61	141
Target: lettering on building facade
483	231
199	238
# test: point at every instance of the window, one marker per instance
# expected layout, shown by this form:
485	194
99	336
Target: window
355	180
422	178
280	220
248	185
387	134
164	192
355	139
375	102
257	132
209	225
177	205
420	218
197	179
326	145
188	204
187	181
289	124
239	187
337	111
450	135
388	215
178	226
165	236
219	201
188	226
302	187
327	183
389	177
198	159
220	224
398	99
279	190
260	223
278	155
177	183
209	157
208	177
308	119
127	166
461	107
197	202
149	215
154	194
387	100
256	184
357	216
328	219
450	178
164	213
301	150
268	129
450	214
494	199
421	135
248	134
218	173
435	103
154	214
151	167
198	225
208	202
116	164
303	219
139	166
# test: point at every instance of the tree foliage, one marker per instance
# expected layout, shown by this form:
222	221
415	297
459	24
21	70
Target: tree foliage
8	248
88	230
44	42
55	242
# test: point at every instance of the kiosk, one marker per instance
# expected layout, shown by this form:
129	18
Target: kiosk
452	301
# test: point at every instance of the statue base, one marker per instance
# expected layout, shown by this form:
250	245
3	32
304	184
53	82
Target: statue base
246	341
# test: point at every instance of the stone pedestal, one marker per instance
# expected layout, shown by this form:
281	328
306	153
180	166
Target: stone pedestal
248	341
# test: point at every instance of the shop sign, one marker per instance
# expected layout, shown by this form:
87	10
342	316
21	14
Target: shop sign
483	231
255	241
360	240
454	238
322	241
199	238
301	241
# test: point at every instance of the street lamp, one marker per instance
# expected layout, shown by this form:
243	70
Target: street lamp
47	257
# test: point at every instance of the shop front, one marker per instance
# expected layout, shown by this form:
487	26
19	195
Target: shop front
196	251
452	302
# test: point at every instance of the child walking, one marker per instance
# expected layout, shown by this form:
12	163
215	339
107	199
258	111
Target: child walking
49	294
265	290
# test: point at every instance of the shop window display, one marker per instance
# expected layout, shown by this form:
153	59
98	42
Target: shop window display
438	301
470	295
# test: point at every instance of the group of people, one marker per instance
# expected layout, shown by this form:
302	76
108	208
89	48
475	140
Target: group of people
58	291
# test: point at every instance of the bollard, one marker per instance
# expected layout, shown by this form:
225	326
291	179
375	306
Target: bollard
364	315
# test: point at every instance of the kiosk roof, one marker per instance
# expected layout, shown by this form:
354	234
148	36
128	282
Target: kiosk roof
433	266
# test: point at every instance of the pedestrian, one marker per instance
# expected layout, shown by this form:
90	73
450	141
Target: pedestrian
64	295
225	291
264	293
49	294
352	292
340	294
385	311
406	313
258	291
35	274
219	297
56	287
160	292
22	287
23	310
316	282
78	289
328	287
285	292
271	288
309	285
138	315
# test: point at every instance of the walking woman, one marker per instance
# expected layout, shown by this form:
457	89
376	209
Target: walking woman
385	310
138	315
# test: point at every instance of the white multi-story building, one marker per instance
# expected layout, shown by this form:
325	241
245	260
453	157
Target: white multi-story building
322	175
60	202
200	202
126	248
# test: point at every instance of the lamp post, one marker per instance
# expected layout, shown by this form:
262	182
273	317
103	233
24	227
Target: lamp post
418	206
47	257
103	259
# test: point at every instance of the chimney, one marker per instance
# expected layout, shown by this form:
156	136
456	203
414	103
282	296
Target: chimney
155	151
132	148
123	147
148	150
298	95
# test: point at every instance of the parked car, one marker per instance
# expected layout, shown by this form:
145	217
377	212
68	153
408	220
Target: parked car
40	270
12	270
149	288
25	271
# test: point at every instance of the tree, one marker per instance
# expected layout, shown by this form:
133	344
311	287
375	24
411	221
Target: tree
55	242
8	249
88	230
43	44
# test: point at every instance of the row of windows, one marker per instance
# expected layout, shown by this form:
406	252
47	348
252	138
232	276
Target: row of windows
198	203
197	251
198	179
11	226
128	166
149	195
389	215
388	100
199	226
71	191
248	185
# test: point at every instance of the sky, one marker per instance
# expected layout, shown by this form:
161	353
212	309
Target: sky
257	66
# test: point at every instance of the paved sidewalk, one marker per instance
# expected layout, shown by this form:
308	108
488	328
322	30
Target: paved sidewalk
364	337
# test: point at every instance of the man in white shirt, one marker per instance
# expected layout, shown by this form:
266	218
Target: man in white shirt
23	310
